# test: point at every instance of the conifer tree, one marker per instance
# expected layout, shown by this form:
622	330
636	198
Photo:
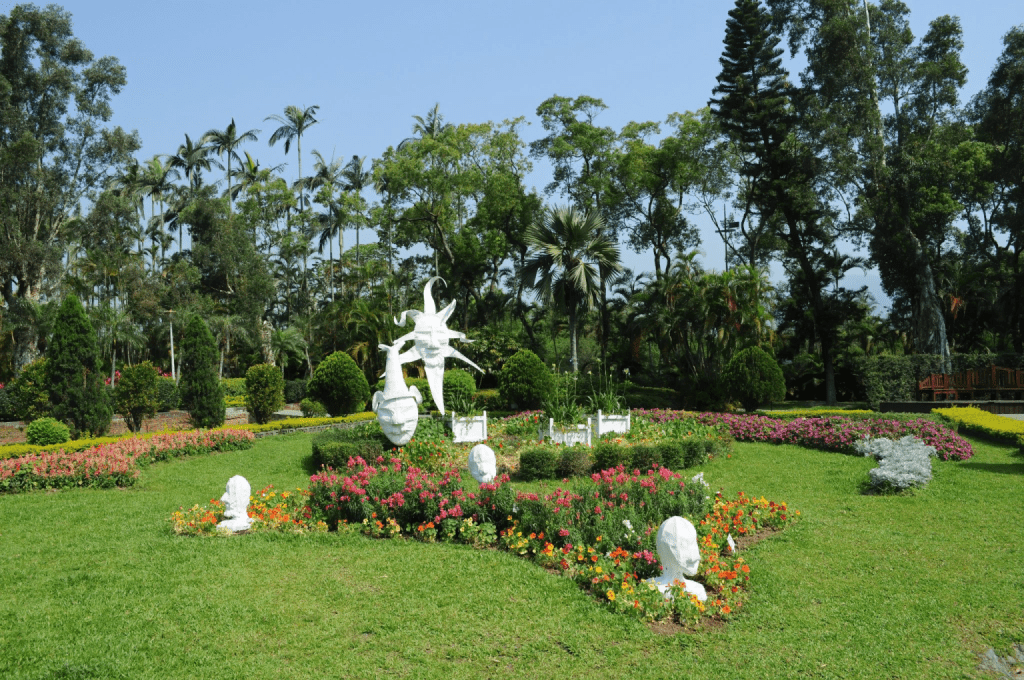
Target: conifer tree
201	393
73	377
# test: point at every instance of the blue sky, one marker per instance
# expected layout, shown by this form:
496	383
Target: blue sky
194	65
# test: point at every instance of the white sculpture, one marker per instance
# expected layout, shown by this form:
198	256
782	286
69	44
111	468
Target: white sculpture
236	505
397	407
679	556
482	463
431	336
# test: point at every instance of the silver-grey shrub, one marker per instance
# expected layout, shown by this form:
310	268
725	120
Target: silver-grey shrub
902	463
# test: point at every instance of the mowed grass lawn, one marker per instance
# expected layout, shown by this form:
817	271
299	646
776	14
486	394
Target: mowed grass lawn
93	584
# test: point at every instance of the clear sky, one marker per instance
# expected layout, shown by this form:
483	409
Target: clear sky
194	65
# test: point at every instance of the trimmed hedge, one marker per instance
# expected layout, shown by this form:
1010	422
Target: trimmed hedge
982	423
295	423
333	448
538	462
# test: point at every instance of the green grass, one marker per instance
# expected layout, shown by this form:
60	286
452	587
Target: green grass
94	585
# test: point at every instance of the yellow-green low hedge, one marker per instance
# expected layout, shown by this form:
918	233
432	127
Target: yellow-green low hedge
294	423
975	421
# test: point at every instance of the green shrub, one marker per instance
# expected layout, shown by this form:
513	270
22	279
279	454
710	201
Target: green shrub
537	462
294	391
73	377
201	392
233	387
46	432
525	382
311	408
459	388
29	393
135	395
652	397
608	455
8	411
335	446
489	400
264	391
339	385
573	461
167	395
754	377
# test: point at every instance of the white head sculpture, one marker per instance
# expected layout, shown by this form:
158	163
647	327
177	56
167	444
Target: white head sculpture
397	406
236	504
482	463
679	556
431	337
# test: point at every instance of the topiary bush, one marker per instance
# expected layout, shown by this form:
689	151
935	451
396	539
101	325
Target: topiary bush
47	432
311	408
201	392
29	393
537	462
167	395
608	455
294	391
574	461
459	388
754	378
77	389
136	396
525	382
264	391
339	385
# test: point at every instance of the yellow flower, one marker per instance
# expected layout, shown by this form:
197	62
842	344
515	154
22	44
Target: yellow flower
610	595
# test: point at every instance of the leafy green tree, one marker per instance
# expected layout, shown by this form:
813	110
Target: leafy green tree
264	391
55	149
77	392
755	378
571	256
136	395
201	392
29	393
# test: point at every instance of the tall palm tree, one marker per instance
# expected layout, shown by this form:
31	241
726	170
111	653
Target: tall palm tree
129	184
158	184
294	123
224	142
357	179
571	253
192	158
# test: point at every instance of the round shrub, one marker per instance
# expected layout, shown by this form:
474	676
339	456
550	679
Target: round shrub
311	408
458	389
339	385
537	462
135	395
167	395
264	391
753	377
46	432
525	382
574	461
608	455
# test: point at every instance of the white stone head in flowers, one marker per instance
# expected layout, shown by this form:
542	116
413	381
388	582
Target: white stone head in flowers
431	337
236	505
397	406
679	556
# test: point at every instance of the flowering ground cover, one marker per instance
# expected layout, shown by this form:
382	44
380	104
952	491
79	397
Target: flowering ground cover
113	464
831	433
95	584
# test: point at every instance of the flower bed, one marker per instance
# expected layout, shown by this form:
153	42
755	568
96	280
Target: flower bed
287	511
831	433
112	464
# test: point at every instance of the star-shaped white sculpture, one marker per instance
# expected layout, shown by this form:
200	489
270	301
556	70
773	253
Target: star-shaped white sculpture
431	337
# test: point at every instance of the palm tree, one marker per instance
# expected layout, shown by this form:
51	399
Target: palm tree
193	159
357	179
225	142
294	123
571	256
158	184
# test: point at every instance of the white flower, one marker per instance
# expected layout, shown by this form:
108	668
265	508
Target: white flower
626	523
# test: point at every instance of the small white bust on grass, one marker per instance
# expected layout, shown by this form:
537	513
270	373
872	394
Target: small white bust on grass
236	505
679	556
482	463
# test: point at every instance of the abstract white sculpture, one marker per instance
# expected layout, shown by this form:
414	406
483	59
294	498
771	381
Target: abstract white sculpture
236	505
482	463
397	406
431	336
679	556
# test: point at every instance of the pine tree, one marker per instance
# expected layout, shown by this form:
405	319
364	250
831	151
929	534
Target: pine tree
201	393
73	376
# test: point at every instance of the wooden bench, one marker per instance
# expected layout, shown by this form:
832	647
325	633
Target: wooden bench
1007	383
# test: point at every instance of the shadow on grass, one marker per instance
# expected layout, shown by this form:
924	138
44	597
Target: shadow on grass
999	468
310	465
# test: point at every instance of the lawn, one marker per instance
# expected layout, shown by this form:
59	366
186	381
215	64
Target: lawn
95	585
